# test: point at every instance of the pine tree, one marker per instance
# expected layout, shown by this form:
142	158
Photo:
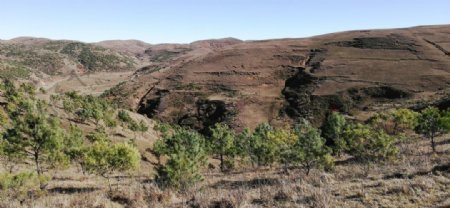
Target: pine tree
310	149
36	136
284	139
242	149
74	147
368	144
404	119
333	131
185	150
104	158
261	148
223	144
432	123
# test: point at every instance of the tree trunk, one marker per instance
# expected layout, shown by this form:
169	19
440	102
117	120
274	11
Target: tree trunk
285	168
222	168
11	168
308	169
109	183
36	162
39	170
433	144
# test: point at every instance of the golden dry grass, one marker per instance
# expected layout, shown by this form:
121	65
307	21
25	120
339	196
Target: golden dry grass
418	178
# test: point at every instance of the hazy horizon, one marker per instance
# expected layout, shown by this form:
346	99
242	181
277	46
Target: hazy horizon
187	21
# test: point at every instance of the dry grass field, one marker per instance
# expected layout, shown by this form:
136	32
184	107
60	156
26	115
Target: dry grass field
418	178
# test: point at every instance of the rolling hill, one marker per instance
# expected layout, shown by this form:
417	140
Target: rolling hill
245	83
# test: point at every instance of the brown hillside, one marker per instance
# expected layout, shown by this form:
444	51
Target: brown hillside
245	83
132	47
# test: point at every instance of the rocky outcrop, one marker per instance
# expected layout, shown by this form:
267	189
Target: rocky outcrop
391	42
208	113
302	103
151	105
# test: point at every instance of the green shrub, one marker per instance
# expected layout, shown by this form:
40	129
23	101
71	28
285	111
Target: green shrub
432	123
262	148
283	139
20	185
333	130
367	144
74	143
103	158
186	156
88	108
223	144
310	149
404	119
109	120
143	127
396	121
124	116
34	136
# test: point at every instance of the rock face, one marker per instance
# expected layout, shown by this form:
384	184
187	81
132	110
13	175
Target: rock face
208	113
278	81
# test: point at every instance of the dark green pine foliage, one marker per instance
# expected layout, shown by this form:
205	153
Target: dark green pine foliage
186	154
33	134
261	148
333	130
311	151
432	123
223	144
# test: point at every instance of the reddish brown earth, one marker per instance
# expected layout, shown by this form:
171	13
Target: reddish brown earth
245	83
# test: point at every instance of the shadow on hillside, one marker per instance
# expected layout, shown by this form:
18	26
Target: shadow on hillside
437	168
348	161
237	172
252	184
72	190
443	142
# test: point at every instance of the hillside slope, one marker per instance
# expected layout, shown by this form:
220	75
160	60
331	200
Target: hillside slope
275	81
42	57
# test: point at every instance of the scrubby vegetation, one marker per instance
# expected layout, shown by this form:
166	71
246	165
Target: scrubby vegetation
303	146
30	134
34	142
186	152
13	70
433	122
103	158
18	60
30	57
94	58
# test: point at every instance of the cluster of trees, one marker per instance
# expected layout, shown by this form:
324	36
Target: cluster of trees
85	108
88	108
29	134
430	122
302	146
133	125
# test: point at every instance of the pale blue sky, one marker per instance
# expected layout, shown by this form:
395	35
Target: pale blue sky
157	21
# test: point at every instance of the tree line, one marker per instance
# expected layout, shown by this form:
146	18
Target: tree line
302	146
